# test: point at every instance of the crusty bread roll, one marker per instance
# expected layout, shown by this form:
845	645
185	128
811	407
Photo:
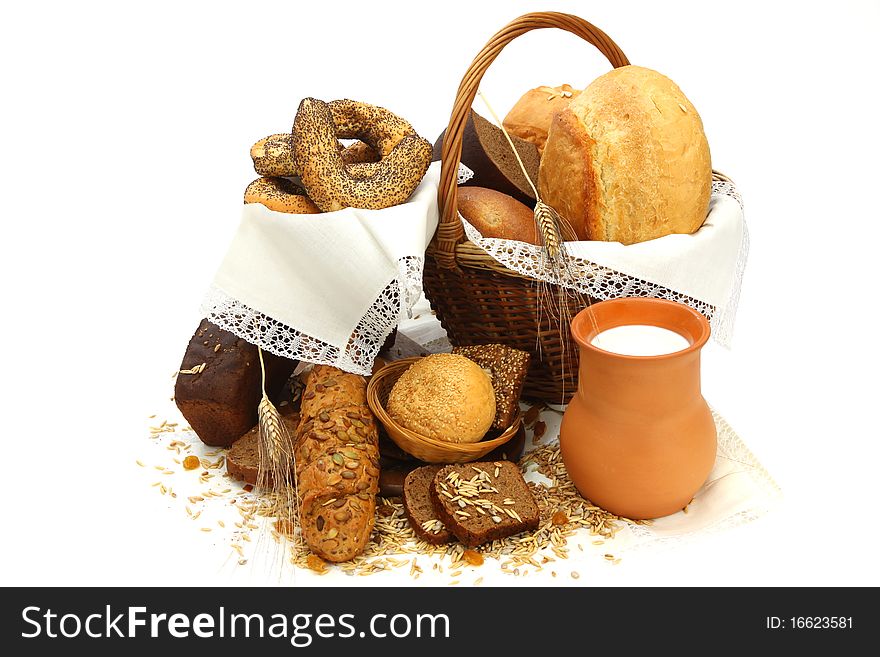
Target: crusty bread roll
445	397
497	215
628	160
533	113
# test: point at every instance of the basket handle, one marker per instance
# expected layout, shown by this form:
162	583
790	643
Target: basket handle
450	231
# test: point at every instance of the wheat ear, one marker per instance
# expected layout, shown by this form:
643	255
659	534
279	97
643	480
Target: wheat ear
554	301
552	227
277	460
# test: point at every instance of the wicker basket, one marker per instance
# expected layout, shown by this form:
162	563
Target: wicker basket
422	447
478	300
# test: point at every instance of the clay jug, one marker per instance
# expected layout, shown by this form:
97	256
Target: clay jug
638	439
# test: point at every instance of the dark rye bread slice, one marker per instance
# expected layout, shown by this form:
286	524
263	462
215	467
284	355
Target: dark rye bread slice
473	500
486	152
420	509
218	386
508	368
243	458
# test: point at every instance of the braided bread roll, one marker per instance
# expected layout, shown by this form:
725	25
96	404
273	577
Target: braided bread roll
337	464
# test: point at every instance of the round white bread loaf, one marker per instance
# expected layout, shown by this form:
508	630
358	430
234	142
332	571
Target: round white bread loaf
628	161
446	397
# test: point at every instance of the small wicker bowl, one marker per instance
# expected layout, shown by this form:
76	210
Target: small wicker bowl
422	447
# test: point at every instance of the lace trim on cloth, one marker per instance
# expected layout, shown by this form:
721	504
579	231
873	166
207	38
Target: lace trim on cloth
605	283
392	305
464	173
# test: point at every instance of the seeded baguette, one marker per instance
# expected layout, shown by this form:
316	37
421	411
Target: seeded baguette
337	464
343	391
347	429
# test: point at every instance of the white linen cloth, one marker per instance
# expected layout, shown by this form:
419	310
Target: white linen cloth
703	270
325	288
701	265
737	491
330	288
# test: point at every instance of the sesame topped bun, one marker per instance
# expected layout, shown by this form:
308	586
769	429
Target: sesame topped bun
446	397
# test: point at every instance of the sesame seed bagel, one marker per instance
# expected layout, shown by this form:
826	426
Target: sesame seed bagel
330	182
359	153
281	195
272	155
375	125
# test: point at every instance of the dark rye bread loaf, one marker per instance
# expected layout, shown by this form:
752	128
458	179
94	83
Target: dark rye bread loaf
218	387
486	152
243	458
420	509
483	502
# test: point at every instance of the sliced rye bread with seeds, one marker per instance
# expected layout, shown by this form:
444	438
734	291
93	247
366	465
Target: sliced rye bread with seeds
508	368
483	502
419	507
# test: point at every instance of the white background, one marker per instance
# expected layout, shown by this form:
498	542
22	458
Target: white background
125	136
